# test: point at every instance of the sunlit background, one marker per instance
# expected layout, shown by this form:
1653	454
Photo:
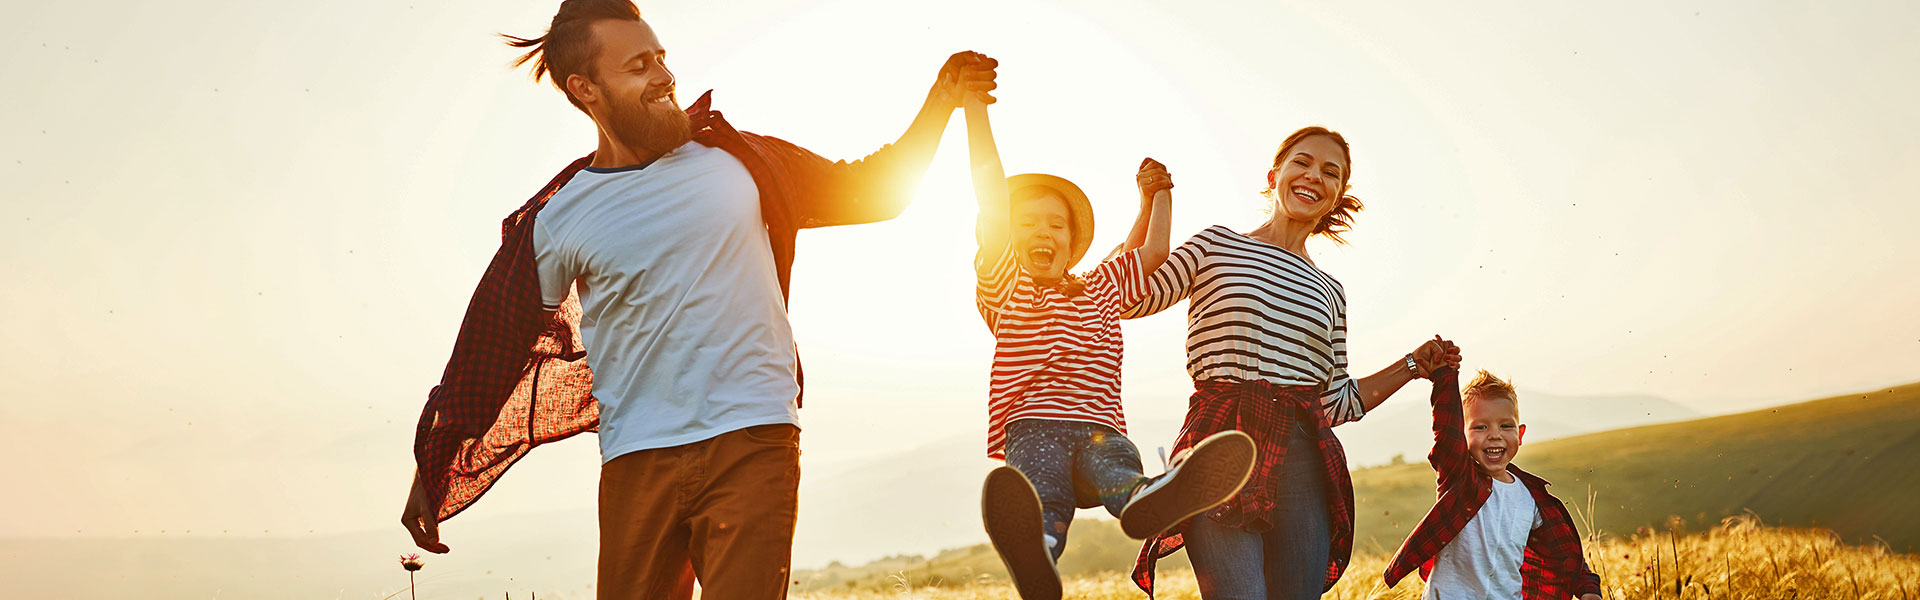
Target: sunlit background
239	237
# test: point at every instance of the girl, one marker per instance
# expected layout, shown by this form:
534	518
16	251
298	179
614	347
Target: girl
1054	402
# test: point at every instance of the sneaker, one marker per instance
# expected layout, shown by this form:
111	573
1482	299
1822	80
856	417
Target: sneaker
1011	510
1209	474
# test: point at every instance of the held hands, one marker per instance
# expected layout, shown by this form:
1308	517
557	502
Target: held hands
1152	179
967	75
1434	354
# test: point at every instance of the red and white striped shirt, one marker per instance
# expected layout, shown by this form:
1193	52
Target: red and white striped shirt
1056	357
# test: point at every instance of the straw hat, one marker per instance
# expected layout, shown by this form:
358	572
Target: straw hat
1077	207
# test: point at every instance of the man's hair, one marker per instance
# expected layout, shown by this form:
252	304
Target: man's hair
1485	385
568	47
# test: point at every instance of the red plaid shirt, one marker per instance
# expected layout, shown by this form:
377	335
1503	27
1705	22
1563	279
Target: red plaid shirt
1555	567
1267	412
516	381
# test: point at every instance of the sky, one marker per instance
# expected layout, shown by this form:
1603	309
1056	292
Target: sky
239	237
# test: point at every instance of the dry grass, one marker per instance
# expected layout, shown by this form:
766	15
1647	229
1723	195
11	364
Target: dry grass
1739	559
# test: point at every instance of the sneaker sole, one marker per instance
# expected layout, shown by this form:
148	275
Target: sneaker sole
1216	470
1011	511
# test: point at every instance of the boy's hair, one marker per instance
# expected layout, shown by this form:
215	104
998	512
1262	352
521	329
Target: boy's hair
1340	219
1486	385
568	47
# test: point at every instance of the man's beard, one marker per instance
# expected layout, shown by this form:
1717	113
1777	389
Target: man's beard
654	127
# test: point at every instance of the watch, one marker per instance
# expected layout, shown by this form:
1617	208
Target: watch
1413	366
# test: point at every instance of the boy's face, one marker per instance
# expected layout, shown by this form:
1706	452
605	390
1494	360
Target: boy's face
1042	236
1493	432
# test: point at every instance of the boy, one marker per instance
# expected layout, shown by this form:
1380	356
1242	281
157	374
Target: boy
1054	409
1496	531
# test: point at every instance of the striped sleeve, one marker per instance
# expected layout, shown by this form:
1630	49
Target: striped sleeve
1170	283
993	290
1341	400
1124	274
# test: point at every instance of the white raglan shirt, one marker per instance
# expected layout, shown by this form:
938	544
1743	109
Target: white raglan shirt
681	311
1484	560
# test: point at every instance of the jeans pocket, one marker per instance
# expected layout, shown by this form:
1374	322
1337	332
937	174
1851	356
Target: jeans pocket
776	433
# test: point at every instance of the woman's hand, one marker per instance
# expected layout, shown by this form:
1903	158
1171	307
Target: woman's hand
1434	354
1152	179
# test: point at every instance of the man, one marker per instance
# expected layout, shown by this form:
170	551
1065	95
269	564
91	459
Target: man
663	260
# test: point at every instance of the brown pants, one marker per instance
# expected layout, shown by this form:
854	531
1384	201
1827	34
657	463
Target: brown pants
721	510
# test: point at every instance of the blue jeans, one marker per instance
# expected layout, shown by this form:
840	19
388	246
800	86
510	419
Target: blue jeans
1288	562
1073	464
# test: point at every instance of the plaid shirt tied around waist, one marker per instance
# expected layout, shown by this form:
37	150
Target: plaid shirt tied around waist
1267	412
1555	567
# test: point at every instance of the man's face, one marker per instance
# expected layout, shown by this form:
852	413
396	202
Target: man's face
1042	236
1493	433
633	99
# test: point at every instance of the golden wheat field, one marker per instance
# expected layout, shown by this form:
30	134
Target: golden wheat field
1739	559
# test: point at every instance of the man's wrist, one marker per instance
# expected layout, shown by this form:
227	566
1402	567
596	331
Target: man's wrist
1413	366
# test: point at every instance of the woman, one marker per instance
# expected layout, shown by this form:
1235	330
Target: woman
1267	349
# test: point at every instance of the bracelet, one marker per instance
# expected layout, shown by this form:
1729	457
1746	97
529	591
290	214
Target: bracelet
1413	367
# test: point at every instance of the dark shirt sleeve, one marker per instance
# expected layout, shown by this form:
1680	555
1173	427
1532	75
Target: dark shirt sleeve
825	193
1449	457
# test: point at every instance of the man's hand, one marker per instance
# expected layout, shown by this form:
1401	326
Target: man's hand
421	520
1436	353
1589	597
965	74
1151	179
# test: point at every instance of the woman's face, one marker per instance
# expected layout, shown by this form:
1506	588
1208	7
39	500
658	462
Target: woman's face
1309	180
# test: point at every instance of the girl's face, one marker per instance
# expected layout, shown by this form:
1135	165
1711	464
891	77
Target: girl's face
1309	180
1042	236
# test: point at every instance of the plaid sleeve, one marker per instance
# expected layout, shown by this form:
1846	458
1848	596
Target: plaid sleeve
825	193
1449	456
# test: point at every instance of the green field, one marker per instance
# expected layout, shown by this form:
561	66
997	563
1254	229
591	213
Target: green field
1848	463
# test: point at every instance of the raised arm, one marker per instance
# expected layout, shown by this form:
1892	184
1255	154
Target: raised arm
879	187
1449	455
989	188
1150	228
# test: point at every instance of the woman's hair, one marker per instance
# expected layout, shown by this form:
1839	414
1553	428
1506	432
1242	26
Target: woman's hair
1340	219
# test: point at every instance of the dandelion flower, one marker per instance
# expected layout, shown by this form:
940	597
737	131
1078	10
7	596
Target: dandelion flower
411	562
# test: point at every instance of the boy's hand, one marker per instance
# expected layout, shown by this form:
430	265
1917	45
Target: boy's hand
966	75
1436	353
1152	179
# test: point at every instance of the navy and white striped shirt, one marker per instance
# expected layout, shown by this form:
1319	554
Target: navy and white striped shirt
1258	312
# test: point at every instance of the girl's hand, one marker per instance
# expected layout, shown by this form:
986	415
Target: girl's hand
1436	353
966	75
1152	179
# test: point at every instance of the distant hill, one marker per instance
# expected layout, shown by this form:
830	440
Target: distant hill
1849	463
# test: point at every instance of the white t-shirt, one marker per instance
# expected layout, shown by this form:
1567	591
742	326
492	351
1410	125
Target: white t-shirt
681	311
1484	560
